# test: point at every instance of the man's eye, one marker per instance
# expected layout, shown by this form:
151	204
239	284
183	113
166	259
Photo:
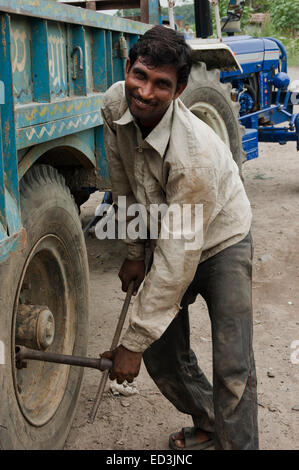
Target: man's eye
163	84
139	75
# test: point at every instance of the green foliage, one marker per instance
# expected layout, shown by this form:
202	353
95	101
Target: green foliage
285	15
261	6
187	11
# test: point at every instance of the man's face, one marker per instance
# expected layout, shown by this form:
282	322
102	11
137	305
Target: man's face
150	90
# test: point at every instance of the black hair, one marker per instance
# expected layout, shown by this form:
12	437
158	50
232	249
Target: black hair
164	46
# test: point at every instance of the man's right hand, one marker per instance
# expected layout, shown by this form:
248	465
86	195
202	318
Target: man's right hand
132	271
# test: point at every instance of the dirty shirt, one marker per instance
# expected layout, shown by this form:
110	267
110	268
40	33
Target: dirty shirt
181	162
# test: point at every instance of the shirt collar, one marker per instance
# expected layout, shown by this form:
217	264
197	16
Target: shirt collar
159	136
125	118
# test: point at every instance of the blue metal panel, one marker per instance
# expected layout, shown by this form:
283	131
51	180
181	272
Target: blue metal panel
55	129
99	60
118	62
33	114
153	11
78	56
13	244
3	233
89	60
244	44
40	61
109	61
250	143
57	43
20	37
131	40
7	116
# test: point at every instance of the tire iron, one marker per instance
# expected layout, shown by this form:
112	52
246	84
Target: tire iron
114	344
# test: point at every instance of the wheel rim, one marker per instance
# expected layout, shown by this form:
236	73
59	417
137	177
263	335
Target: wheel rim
46	279
209	114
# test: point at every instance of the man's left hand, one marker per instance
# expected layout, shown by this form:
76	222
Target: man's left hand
126	364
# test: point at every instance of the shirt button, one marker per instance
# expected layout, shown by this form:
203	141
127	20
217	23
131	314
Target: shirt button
140	149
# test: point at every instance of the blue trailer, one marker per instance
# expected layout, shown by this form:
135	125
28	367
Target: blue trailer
56	61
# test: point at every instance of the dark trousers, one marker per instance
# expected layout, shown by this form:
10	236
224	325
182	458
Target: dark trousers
228	409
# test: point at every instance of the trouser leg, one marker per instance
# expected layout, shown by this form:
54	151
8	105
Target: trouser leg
225	283
173	366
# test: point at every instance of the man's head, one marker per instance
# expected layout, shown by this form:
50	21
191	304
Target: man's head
156	73
187	26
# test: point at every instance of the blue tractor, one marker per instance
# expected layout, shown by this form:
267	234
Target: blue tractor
239	84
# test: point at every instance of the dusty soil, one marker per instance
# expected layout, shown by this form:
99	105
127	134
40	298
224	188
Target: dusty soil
145	420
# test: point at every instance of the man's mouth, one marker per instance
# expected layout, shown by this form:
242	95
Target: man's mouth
142	103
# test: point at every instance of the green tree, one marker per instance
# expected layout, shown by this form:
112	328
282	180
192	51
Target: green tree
285	15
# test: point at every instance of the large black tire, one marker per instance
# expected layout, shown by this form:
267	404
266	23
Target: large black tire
210	100
37	404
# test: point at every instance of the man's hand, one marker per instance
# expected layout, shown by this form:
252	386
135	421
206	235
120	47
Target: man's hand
132	271
126	364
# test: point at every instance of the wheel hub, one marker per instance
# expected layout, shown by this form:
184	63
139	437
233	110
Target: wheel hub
35	326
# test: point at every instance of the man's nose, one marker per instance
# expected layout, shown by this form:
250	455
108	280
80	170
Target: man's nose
147	91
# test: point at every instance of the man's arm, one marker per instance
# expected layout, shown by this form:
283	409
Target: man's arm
133	268
175	260
172	271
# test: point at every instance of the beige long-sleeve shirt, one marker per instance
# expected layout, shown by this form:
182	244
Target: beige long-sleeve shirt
182	161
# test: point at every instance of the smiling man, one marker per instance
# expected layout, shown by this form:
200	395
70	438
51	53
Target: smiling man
160	153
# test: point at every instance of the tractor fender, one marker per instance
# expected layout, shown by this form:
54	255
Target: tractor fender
214	55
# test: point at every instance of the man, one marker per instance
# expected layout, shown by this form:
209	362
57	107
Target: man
159	152
188	32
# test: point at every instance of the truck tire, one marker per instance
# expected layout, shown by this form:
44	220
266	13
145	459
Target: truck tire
210	100
38	403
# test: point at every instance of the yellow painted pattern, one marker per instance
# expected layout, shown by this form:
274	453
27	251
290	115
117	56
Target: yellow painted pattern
59	109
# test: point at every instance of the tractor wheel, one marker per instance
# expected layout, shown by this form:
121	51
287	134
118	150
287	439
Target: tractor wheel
210	100
43	305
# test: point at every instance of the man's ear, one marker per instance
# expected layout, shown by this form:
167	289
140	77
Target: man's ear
128	65
179	90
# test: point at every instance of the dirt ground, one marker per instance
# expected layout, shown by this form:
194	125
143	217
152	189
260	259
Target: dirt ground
145	420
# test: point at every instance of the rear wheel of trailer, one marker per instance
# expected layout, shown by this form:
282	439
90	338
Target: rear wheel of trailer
43	298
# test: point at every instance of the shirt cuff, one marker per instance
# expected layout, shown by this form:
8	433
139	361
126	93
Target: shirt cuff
136	252
136	342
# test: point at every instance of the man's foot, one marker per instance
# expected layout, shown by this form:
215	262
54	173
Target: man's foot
200	436
190	438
